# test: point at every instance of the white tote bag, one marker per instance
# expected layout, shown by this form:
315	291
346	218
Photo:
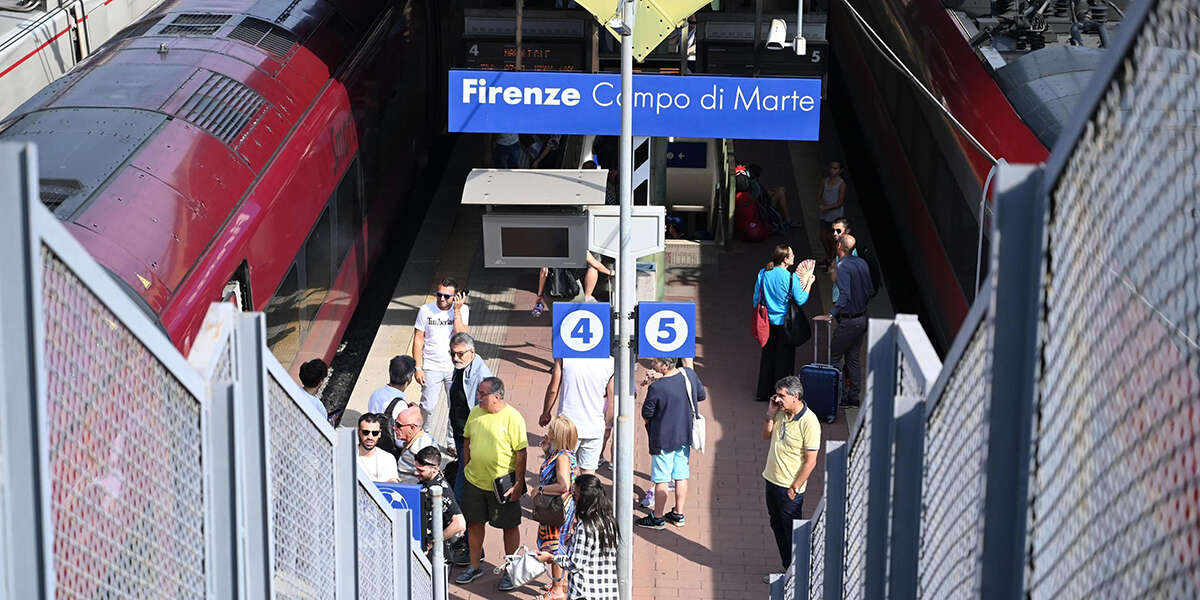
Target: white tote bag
699	431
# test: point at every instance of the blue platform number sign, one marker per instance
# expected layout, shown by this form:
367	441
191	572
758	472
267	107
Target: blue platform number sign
405	495
666	329
582	330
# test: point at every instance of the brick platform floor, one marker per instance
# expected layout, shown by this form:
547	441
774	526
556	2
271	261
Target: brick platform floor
726	546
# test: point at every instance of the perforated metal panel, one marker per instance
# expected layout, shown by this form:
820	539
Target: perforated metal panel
420	579
816	566
124	446
857	489
222	107
375	572
302	502
907	384
953	482
1115	491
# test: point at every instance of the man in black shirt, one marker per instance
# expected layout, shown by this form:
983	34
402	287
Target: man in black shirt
428	468
850	310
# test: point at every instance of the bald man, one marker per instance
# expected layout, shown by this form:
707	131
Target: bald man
410	439
850	310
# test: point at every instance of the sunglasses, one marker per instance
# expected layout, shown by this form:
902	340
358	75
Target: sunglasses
444	296
403	425
369	433
461	354
838	231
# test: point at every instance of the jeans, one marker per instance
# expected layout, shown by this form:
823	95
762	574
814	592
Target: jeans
782	512
847	342
778	360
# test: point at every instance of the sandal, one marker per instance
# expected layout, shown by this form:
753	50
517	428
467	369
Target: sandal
549	595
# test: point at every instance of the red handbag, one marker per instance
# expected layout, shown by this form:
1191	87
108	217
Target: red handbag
761	324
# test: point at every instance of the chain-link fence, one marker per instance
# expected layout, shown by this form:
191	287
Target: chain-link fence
1081	479
145	475
1114	484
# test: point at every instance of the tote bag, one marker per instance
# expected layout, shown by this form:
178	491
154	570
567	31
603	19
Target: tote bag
761	324
795	323
699	425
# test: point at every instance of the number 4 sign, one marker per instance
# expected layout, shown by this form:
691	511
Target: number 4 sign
582	330
666	329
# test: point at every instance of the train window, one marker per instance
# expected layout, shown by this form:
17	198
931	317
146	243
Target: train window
348	205
318	266
284	325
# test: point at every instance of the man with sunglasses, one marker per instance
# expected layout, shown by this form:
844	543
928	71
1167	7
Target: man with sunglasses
377	464
795	435
429	472
436	322
410	440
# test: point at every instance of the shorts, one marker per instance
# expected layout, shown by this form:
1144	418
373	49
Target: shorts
671	466
480	505
588	453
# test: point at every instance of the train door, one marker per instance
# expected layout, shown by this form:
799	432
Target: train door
81	45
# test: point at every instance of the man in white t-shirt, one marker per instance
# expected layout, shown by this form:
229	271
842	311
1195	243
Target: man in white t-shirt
377	464
583	388
436	322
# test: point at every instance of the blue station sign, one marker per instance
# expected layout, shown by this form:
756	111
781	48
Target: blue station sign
663	105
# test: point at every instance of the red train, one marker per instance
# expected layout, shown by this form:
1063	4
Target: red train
254	151
1008	71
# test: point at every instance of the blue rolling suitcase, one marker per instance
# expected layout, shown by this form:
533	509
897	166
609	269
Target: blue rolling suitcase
822	382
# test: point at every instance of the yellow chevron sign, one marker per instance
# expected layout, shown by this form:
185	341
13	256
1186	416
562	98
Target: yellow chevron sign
655	20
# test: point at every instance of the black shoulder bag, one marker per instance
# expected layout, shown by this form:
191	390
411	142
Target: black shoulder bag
795	323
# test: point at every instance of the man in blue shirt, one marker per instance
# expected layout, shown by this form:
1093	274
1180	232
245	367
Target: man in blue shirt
671	401
850	310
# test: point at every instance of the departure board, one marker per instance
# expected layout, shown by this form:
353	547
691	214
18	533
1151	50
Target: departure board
536	55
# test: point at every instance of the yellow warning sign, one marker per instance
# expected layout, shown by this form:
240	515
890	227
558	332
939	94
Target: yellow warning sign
655	20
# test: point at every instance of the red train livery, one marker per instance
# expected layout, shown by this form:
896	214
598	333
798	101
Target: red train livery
232	149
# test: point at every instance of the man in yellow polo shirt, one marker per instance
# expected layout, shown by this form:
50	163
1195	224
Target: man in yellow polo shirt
795	435
494	444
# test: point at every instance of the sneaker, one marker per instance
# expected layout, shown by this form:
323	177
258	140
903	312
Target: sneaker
648	499
506	584
674	518
471	574
539	308
651	522
604	464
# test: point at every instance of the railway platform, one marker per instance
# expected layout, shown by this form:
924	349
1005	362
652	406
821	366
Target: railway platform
725	549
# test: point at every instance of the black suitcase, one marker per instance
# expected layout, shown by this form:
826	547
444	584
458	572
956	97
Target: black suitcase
822	383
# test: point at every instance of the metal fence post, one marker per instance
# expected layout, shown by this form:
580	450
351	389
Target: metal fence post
26	556
252	455
224	553
801	556
345	512
404	557
439	560
835	515
906	497
881	363
1017	254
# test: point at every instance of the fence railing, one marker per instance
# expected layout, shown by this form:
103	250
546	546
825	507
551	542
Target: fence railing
128	471
1080	479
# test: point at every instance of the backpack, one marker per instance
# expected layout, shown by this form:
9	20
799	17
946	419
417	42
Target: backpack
562	283
873	267
746	219
387	437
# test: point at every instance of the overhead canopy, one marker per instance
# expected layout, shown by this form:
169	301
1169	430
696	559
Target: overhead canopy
535	187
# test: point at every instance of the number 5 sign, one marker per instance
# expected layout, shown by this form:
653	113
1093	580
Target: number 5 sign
582	330
666	329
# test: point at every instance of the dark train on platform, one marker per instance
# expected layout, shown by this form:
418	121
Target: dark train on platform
251	151
1009	71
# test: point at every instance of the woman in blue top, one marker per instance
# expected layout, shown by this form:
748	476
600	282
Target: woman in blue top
779	355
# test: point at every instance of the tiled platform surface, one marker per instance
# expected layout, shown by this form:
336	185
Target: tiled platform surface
726	546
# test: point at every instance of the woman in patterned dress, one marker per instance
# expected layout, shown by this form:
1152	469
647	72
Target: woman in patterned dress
557	479
588	551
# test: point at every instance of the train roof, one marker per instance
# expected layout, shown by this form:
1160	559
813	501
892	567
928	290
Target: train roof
1041	53
148	146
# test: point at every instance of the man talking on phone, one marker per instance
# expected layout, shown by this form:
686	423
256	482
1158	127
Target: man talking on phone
436	322
795	435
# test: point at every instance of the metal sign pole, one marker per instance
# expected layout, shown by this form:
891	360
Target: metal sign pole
625	416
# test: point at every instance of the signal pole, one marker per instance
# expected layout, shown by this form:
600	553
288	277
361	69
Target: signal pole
625	272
